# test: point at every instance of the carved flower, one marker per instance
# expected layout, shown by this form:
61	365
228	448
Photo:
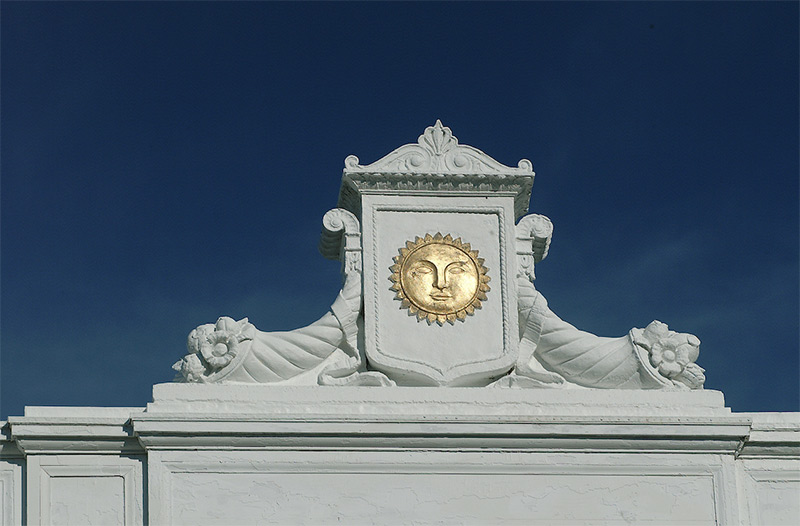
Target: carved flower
672	354
190	368
212	347
692	377
198	336
242	329
655	330
219	349
220	346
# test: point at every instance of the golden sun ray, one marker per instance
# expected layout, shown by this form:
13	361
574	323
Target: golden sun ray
439	279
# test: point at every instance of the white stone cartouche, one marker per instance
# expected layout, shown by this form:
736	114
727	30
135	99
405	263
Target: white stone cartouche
514	340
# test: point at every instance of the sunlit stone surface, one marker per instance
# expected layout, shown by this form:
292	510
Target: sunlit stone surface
438	389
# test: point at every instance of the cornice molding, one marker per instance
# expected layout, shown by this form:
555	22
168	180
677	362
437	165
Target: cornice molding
436	163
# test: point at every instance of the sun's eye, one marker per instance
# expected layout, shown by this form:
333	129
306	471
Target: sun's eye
456	268
421	269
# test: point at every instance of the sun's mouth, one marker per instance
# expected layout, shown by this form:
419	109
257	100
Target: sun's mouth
441	296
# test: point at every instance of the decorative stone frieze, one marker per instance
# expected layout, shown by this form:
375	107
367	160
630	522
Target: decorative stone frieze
421	233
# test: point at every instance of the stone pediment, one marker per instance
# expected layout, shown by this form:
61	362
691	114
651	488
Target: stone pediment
436	163
438	289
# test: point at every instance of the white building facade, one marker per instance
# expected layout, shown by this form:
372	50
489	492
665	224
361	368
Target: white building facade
439	389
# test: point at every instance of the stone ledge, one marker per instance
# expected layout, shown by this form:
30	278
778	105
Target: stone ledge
47	430
431	401
772	435
541	434
185	416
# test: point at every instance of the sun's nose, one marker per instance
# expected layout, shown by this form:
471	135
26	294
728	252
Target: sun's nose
441	279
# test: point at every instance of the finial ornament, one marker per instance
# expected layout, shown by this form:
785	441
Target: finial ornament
438	138
437	151
436	163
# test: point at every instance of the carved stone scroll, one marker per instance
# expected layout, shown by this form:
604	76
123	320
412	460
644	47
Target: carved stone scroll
534	233
325	351
415	305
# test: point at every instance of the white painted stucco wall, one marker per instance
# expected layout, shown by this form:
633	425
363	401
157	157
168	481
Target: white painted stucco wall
215	454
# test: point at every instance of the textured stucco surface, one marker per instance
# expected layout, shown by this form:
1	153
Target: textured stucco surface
436	498
210	454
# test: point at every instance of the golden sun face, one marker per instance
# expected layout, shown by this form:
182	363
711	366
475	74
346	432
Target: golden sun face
439	279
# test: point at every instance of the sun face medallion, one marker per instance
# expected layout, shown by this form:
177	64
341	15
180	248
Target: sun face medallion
439	279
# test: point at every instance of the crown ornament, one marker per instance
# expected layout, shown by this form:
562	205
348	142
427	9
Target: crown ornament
437	151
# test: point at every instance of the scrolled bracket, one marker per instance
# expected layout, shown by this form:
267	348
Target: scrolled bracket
533	235
341	239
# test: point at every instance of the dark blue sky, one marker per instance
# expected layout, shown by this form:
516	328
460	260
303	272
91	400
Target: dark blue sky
164	164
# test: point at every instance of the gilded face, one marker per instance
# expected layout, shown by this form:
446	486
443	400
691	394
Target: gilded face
439	278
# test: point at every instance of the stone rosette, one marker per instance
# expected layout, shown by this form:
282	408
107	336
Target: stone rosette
672	354
212	347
